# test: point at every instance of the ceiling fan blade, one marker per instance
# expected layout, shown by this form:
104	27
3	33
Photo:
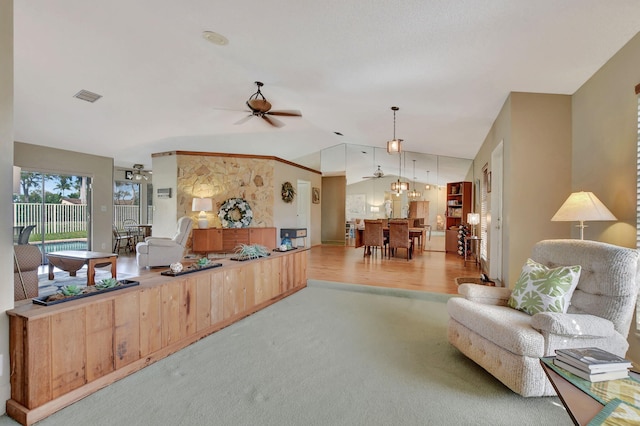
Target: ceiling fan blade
286	113
272	121
244	119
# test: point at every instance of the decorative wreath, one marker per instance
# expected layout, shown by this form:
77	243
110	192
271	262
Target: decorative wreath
235	213
287	192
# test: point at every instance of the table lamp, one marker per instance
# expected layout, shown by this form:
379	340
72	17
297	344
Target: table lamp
473	219
203	205
581	206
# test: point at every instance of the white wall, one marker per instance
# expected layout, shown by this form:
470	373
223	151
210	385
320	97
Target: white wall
6	188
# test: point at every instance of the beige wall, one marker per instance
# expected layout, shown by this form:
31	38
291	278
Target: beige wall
605	137
6	188
333	209
100	169
536	133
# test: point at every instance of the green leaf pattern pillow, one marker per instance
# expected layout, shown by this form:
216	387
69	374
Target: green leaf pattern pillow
542	289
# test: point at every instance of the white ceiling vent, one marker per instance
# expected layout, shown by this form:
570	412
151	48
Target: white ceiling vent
88	96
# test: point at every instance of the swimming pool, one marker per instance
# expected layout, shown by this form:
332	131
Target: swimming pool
51	246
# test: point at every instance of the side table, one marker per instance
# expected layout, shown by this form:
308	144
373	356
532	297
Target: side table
472	249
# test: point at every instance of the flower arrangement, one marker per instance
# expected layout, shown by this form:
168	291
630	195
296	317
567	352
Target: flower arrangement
235	213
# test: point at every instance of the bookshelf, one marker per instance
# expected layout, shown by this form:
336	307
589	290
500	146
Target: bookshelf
458	205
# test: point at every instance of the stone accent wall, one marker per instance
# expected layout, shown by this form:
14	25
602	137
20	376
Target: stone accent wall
227	177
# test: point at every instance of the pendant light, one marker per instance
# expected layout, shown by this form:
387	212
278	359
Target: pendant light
427	186
395	145
413	193
399	186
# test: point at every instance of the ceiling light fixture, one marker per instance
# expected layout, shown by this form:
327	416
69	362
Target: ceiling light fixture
427	186
215	38
413	193
137	173
399	186
394	145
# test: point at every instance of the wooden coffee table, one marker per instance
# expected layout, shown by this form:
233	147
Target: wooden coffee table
72	260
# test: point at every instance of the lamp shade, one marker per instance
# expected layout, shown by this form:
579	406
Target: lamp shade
582	206
202	205
473	218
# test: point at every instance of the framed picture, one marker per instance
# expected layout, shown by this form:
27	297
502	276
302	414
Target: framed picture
128	174
315	195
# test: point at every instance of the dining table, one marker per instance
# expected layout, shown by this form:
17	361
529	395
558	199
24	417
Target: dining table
414	233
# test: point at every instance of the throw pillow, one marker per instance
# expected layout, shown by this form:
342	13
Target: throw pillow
543	289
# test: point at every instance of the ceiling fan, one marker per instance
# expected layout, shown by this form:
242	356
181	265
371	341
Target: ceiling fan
376	175
260	107
138	173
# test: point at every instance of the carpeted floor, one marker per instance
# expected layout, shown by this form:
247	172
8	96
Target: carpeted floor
331	354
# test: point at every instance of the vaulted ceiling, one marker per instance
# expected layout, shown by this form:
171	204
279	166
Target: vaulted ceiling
448	66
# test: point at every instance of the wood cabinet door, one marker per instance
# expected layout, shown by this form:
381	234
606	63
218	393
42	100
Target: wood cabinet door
263	236
207	240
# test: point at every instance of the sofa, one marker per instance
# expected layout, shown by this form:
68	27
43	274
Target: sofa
508	342
26	262
163	251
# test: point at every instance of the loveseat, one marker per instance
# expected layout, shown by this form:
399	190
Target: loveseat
508	342
26	261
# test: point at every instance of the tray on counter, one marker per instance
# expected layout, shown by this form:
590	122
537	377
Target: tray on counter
123	284
190	269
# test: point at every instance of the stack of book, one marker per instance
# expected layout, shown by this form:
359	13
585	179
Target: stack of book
593	364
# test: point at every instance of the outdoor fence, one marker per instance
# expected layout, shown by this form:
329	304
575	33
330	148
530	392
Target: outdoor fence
66	218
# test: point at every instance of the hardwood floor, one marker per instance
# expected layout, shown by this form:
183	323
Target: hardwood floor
427	271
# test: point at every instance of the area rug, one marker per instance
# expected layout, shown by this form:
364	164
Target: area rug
330	354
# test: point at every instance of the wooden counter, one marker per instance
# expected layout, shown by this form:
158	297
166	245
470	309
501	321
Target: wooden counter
64	352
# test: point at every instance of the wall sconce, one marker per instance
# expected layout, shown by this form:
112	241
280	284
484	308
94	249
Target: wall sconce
473	219
581	206
203	205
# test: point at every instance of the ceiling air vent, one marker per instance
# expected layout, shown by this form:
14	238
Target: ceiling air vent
88	96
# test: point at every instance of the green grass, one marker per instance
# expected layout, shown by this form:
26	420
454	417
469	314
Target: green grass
59	236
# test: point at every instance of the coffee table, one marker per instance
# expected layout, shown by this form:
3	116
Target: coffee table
72	260
581	407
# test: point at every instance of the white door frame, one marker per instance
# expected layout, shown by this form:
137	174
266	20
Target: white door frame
303	212
495	229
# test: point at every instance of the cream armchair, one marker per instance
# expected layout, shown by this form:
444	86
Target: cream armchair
508	343
161	251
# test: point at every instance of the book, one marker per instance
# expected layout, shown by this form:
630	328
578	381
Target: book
597	377
595	368
591	358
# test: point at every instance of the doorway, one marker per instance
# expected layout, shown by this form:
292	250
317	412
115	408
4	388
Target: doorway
495	230
55	211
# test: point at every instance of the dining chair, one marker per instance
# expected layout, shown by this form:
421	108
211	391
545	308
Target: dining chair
399	237
373	236
133	229
122	241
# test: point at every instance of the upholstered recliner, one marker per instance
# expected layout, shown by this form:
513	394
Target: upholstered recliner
161	251
508	343
27	259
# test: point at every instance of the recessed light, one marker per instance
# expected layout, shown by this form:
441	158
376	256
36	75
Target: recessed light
215	38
